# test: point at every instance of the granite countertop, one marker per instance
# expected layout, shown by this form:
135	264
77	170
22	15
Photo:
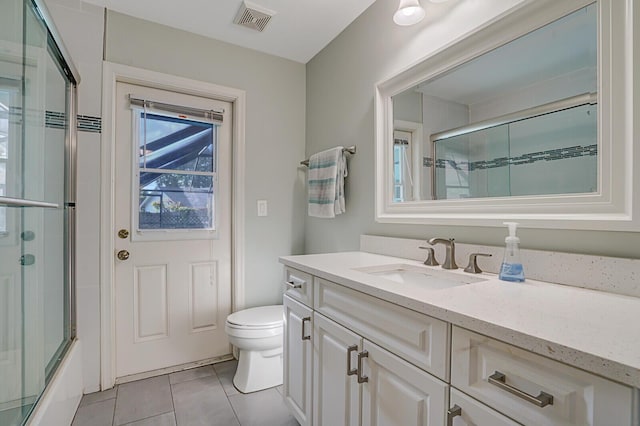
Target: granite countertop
592	330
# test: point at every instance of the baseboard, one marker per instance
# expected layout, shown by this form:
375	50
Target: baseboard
169	370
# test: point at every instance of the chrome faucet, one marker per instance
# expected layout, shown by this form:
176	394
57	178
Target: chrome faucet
450	260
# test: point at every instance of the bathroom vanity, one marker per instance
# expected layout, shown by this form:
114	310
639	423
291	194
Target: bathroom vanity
373	339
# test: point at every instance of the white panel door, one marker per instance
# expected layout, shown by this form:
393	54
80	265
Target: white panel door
298	360
336	392
172	196
398	393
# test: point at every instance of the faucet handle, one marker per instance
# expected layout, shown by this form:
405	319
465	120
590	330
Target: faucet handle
473	268
431	256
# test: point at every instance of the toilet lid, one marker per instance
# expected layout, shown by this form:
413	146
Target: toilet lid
258	317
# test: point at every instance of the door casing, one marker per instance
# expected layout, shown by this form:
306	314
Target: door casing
111	74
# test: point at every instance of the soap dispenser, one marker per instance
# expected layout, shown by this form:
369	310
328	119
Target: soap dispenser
511	269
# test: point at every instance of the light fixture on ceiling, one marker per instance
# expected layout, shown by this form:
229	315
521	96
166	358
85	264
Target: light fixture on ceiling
409	12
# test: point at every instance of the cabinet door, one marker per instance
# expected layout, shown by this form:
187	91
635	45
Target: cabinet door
473	413
336	393
298	358
398	393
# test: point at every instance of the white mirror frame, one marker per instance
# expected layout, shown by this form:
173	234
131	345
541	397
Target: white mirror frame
613	207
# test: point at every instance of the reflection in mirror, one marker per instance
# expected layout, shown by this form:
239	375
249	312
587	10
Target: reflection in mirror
520	120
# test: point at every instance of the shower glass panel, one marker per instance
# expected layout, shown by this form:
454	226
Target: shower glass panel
35	208
555	153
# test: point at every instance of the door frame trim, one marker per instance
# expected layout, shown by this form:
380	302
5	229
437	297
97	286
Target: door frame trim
113	73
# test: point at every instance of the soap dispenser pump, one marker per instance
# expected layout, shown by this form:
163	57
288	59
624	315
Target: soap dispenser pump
511	269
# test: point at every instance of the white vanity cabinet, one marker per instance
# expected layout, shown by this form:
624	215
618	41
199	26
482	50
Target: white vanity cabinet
354	359
357	365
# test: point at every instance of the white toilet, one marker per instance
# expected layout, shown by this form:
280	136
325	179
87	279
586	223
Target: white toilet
257	333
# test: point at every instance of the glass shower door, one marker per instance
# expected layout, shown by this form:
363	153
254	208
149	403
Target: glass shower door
35	277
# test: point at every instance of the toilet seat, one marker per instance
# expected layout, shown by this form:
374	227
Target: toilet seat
256	323
262	317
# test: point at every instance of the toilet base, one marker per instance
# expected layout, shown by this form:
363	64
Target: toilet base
258	370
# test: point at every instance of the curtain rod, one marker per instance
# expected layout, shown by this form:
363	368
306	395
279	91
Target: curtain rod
213	115
350	150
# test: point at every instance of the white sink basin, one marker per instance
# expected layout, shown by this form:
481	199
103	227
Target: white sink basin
433	279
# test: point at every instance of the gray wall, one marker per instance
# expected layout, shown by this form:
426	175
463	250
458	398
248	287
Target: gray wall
340	110
275	123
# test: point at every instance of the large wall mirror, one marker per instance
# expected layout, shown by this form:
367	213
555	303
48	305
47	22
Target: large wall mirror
528	118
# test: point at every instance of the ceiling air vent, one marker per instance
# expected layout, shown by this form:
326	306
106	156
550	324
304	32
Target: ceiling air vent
252	16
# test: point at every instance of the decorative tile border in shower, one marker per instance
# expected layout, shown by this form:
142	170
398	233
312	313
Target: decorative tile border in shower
57	120
530	158
86	123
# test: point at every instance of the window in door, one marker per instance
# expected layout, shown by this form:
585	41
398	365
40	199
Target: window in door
176	172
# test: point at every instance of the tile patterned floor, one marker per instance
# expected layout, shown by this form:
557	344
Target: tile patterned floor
201	396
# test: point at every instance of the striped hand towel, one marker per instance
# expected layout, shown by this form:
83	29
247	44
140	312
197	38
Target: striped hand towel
327	170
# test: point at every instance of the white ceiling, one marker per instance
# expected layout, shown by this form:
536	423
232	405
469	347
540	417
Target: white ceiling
299	30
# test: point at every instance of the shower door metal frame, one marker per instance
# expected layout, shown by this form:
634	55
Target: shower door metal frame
64	60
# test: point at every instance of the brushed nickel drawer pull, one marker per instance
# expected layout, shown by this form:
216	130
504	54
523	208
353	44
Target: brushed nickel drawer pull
292	284
351	371
305	319
542	400
453	412
361	378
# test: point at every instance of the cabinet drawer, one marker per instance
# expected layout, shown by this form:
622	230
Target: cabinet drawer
417	338
299	286
474	413
579	398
